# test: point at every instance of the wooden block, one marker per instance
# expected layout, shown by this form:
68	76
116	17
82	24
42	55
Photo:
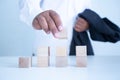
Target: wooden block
81	56
81	50
43	51
25	62
43	54
81	61
61	57
61	61
61	51
62	34
43	61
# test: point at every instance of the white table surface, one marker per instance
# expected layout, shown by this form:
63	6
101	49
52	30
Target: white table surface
98	68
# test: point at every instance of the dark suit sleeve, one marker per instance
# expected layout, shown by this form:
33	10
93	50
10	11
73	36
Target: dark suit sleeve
101	29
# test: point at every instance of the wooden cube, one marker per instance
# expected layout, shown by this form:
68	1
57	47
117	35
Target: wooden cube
25	62
61	57
43	61
62	34
61	51
81	51
43	51
61	61
81	61
81	56
43	54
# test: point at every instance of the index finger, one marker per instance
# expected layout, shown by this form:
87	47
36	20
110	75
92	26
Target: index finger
56	19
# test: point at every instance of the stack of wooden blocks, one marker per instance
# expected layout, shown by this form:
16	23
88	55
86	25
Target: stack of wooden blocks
61	57
81	56
43	55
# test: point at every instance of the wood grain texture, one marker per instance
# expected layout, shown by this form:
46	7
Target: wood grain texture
61	51
25	62
43	61
43	51
43	54
81	50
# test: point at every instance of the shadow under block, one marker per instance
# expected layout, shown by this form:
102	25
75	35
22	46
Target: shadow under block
61	57
43	54
62	34
25	62
81	56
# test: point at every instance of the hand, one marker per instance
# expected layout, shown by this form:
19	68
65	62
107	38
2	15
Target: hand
49	21
81	25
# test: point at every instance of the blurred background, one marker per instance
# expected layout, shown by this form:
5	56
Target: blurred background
17	39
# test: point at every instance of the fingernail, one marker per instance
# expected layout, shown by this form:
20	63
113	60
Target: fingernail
60	28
